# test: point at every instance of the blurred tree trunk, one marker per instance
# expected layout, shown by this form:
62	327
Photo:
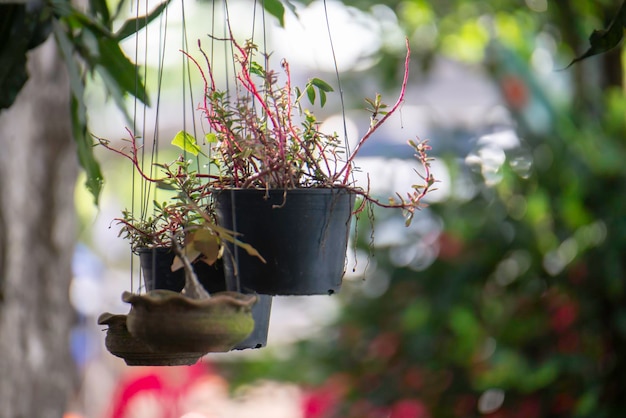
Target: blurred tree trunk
38	170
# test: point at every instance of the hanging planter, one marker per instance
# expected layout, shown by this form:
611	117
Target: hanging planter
156	265
186	325
135	352
272	160
302	234
261	314
286	186
170	322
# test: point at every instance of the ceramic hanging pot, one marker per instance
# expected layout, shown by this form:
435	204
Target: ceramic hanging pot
135	352
301	233
157	272
171	322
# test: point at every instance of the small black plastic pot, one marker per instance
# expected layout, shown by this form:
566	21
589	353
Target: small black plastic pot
301	233
156	268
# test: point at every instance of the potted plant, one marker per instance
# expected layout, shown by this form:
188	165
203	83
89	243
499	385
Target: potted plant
185	220
167	328
281	183
192	321
135	352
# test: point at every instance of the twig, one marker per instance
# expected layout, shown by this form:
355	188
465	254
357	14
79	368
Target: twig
193	288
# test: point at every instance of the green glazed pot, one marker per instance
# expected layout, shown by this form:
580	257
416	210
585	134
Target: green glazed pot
135	352
168	321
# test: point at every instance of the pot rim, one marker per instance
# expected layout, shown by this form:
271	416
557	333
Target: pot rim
304	190
160	297
108	318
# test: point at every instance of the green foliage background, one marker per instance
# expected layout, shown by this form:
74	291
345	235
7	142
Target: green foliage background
523	311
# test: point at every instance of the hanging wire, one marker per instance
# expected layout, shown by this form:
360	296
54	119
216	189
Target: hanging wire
132	202
145	187
135	113
341	97
233	283
345	137
155	141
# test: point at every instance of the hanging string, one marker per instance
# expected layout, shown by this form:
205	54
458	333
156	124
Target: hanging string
155	139
132	202
345	136
341	98
233	283
146	187
135	113
211	54
187	81
227	33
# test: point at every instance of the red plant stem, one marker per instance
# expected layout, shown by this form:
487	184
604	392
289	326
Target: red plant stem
151	236
206	84
249	85
292	129
209	111
133	158
373	128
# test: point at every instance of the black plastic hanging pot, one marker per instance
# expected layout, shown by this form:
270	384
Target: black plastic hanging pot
301	233
156	268
261	314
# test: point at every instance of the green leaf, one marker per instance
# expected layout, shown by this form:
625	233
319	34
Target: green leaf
256	69
118	9
132	26
291	7
116	93
187	143
164	185
84	146
77	84
322	98
276	9
210	138
26	29
79	20
321	84
100	7
120	69
604	40
310	92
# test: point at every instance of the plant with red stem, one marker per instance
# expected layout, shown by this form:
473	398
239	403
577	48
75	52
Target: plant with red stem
264	139
261	137
187	217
